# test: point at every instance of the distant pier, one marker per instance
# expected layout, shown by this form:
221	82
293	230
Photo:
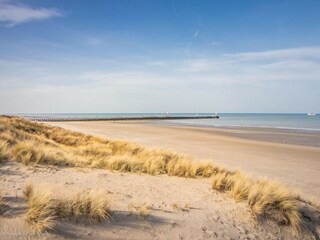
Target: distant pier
116	118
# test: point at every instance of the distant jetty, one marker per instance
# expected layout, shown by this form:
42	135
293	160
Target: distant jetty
117	118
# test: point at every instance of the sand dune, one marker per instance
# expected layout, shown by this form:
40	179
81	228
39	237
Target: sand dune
179	208
296	165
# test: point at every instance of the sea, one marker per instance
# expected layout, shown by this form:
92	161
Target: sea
295	121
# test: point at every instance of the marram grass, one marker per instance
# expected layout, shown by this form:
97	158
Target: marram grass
266	199
40	210
44	208
32	143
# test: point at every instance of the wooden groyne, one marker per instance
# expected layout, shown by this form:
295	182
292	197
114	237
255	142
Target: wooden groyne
119	118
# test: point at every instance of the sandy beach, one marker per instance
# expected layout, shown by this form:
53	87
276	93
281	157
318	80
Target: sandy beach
289	156
163	206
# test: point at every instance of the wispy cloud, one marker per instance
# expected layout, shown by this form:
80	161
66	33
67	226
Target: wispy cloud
196	34
202	65
302	52
116	78
14	14
284	58
297	66
195	66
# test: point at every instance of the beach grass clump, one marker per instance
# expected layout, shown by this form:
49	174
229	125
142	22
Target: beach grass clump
40	210
267	199
143	209
28	190
272	200
34	152
92	206
3	150
125	163
44	208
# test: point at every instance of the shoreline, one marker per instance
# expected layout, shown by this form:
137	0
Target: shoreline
295	165
315	130
303	137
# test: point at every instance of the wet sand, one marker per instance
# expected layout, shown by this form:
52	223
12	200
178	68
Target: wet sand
277	135
293	157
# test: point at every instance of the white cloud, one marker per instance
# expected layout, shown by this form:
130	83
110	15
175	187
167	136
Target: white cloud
303	52
201	65
195	66
296	64
13	14
102	78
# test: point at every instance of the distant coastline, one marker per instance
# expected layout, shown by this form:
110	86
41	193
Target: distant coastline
286	121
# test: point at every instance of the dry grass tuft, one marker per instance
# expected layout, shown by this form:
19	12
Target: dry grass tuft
3	150
131	207
143	209
28	190
93	205
267	199
180	207
44	209
175	206
273	200
40	213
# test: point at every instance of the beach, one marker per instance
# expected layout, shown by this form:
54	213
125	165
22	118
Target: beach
160	120
289	156
144	191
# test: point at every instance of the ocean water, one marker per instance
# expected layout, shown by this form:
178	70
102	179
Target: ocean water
297	121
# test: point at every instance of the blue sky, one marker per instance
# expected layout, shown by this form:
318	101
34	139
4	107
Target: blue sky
159	56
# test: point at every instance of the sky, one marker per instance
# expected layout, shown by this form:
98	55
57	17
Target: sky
159	56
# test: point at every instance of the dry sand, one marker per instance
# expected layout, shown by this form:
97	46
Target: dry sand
256	151
179	208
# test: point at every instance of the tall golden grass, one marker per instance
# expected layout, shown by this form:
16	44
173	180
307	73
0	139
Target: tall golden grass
33	143
41	209
44	208
92	205
266	198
